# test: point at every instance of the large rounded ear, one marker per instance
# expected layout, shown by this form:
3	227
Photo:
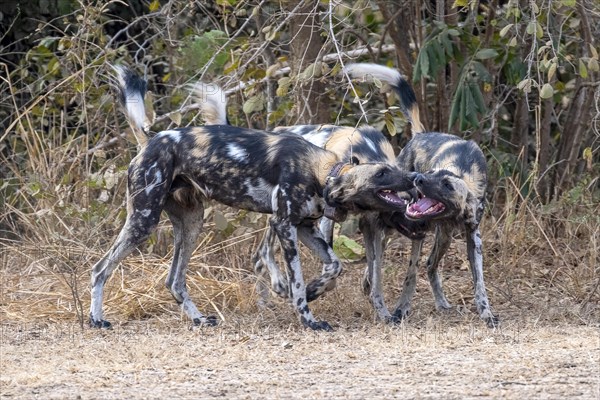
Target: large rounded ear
354	160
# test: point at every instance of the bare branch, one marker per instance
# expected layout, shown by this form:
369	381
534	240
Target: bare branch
328	58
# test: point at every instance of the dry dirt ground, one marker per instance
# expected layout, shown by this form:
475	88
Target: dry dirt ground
548	346
441	357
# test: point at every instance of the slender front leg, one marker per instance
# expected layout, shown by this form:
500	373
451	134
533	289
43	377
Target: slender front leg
332	266
373	234
265	256
440	246
475	254
326	228
288	237
410	282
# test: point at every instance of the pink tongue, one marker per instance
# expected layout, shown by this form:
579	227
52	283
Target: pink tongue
423	204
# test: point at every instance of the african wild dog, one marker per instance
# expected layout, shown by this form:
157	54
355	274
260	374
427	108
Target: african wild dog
284	175
366	144
451	185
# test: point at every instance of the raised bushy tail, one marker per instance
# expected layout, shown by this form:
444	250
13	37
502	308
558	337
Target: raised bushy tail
408	100
212	101
132	90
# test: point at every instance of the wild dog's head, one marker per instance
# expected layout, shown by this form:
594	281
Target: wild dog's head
442	194
452	177
370	186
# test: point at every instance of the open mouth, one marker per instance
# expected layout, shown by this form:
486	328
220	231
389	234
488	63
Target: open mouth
393	198
424	207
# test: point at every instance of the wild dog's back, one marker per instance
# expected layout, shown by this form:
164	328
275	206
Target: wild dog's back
365	143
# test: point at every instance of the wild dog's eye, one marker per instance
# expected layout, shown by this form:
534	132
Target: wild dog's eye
447	184
381	173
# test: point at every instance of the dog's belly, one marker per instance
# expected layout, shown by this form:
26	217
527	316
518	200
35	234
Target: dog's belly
261	193
245	203
252	194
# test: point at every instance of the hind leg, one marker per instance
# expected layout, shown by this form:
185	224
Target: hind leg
136	230
187	226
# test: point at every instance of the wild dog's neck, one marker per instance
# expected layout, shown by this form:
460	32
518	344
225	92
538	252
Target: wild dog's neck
474	179
335	213
338	169
324	166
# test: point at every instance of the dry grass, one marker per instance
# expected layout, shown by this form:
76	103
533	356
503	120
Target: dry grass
526	273
538	259
541	265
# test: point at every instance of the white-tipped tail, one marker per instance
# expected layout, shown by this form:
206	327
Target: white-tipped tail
132	90
368	72
408	100
212	101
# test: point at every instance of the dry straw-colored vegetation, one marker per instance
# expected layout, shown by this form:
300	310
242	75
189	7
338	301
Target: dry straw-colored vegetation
64	147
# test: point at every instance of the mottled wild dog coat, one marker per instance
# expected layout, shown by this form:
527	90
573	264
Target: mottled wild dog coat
451	184
366	144
178	170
